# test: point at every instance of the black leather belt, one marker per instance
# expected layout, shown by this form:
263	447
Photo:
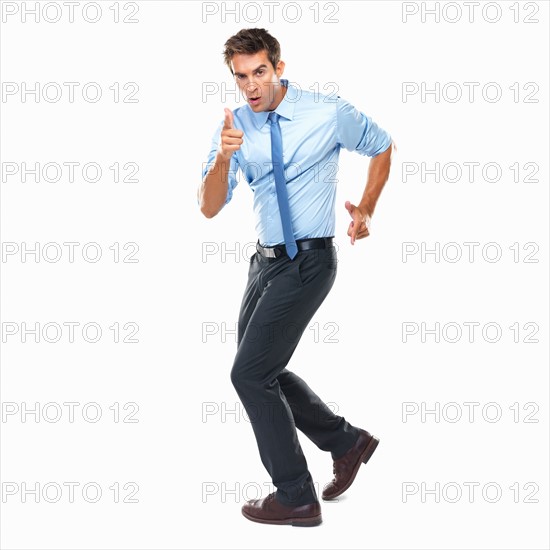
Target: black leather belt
303	244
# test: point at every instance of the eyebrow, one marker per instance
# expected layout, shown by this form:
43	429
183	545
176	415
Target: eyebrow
262	66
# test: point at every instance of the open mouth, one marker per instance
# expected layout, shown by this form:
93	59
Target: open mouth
254	100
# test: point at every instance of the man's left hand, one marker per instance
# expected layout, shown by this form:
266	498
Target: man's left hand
360	224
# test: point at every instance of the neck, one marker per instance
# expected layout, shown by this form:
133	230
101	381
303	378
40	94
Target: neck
281	94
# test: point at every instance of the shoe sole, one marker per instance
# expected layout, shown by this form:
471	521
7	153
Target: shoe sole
295	522
364	458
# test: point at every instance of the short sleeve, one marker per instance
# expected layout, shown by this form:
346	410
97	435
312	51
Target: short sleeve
233	164
358	132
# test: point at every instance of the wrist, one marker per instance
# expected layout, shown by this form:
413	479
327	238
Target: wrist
366	208
221	158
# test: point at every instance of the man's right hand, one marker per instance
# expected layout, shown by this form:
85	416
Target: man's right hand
231	139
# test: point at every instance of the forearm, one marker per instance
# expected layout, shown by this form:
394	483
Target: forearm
213	190
379	171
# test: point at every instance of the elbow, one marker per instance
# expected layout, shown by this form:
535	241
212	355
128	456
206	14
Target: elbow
208	211
205	208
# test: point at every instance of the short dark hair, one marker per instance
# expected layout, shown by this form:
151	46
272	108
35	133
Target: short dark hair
250	41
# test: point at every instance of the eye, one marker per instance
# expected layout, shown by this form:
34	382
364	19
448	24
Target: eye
260	72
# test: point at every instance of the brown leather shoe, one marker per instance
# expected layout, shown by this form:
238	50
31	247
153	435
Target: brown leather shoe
345	468
270	510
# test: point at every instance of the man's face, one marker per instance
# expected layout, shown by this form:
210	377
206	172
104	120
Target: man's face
258	80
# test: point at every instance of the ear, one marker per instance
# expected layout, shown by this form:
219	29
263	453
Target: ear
280	68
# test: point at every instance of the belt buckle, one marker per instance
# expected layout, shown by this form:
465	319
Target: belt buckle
267	252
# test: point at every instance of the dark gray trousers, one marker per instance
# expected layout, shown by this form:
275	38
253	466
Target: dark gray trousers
280	299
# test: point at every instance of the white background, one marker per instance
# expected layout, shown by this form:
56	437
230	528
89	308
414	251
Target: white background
195	470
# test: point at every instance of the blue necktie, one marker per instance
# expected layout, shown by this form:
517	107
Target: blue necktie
280	184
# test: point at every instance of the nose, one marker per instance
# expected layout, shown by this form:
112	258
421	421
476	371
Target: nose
252	89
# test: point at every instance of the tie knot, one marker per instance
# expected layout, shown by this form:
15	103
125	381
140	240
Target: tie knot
273	116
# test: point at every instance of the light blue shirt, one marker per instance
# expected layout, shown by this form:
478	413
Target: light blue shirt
314	127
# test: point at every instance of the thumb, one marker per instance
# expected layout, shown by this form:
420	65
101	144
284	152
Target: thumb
228	120
349	208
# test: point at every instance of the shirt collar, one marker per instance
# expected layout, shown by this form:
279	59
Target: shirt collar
284	109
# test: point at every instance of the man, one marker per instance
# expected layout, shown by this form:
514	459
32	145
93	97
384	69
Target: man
286	143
